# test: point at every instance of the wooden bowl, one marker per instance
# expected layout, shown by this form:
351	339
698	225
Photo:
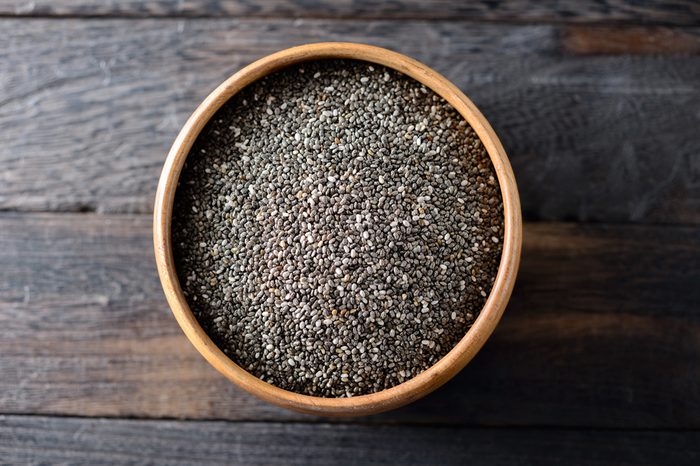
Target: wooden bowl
451	363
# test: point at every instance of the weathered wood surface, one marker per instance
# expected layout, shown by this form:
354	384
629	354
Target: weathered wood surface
597	103
678	12
90	108
637	40
41	440
602	331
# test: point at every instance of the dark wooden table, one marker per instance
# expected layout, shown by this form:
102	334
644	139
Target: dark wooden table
597	359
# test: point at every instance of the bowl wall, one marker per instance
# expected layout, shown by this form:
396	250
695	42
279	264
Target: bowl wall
451	363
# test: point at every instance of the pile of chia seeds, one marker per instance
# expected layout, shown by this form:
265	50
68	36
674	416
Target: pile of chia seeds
337	228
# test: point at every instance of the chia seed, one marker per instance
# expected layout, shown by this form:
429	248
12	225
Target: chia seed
337	228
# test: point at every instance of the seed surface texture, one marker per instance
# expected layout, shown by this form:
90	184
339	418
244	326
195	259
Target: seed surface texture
337	228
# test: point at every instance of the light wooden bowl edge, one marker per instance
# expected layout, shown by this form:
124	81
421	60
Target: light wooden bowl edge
451	363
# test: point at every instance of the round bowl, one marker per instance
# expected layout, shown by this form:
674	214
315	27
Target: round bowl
472	341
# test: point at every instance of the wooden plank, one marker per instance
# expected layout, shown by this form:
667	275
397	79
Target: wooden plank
86	330
683	12
602	331
39	440
90	108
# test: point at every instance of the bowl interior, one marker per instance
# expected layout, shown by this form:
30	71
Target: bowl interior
465	349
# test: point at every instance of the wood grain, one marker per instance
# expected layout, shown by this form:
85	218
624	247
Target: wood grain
603	330
683	12
90	108
606	40
41	440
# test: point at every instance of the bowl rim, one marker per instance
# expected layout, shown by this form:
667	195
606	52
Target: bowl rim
460	354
